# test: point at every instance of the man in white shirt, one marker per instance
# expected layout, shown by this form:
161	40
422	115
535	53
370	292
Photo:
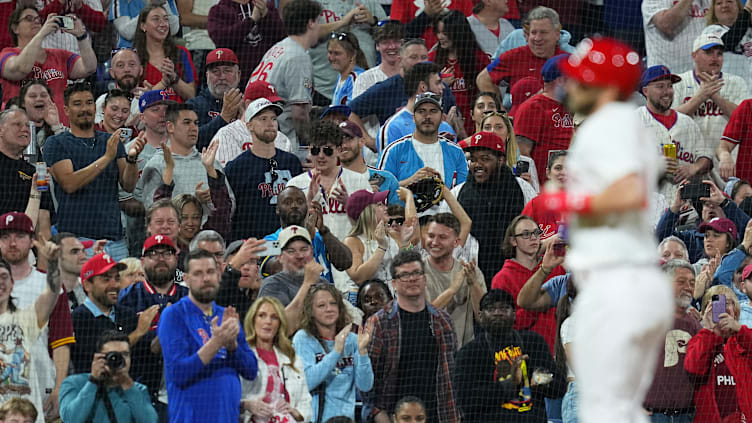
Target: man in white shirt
488	24
706	94
670	28
388	37
606	202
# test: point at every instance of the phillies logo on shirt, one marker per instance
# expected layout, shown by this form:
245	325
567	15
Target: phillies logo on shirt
329	16
212	114
708	108
204	336
682	154
562	120
47	74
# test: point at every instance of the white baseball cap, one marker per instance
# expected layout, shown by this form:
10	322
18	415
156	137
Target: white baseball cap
259	105
291	233
707	40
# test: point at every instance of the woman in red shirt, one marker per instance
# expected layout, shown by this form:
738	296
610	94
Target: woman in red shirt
556	174
522	245
168	67
461	59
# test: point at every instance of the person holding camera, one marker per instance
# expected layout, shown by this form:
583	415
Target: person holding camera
710	203
107	394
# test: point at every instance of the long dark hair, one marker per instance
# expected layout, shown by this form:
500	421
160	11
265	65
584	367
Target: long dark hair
169	46
4	264
308	323
464	44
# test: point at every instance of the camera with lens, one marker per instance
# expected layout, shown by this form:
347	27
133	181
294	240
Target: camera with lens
114	360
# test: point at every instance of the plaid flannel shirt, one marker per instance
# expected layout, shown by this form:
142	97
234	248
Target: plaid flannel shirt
384	350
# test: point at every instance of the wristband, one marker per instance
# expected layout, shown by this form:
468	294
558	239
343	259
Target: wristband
130	159
544	270
563	201
83	36
724	203
382	248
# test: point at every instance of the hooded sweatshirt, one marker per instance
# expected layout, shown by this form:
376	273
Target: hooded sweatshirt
230	26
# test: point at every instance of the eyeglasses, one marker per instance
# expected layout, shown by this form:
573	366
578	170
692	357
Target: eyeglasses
527	234
119	49
159	253
396	221
328	151
405	275
32	19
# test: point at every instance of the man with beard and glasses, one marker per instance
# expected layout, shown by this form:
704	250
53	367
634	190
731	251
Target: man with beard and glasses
350	155
423	154
87	167
220	102
491	196
295	278
504	374
693	157
160	289
100	312
672	392
607	206
128	73
259	174
204	349
328	250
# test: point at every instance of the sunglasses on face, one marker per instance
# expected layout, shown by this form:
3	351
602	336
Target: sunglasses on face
396	221
328	151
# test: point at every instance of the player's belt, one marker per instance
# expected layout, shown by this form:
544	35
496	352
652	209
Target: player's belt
671	411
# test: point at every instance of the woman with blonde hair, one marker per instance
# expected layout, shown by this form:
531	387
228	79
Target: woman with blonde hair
336	360
499	124
132	274
280	389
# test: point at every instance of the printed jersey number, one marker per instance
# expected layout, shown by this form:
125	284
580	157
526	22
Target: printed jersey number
261	72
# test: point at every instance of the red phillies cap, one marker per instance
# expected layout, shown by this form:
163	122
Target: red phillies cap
157	240
747	270
721	225
524	89
221	55
259	89
15	221
98	265
483	140
360	199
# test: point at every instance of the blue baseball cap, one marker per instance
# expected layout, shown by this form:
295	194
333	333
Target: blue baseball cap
657	72
340	108
151	98
550	69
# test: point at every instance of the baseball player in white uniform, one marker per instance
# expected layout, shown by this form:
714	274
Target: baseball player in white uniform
612	246
668	126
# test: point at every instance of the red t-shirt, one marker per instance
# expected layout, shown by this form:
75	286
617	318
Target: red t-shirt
546	122
6	8
462	95
511	278
667	121
184	69
406	10
55	71
516	64
548	221
738	131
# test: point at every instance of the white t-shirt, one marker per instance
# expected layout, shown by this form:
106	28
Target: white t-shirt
366	80
614	131
709	116
198	38
19	335
431	155
234	138
567	336
690	143
674	52
64	40
288	67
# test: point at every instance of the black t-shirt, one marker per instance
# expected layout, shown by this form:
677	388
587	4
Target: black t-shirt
16	177
418	359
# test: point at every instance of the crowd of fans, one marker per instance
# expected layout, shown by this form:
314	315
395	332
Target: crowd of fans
330	211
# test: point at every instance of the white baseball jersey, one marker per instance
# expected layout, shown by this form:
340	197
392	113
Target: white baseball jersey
614	131
709	116
331	11
288	68
64	40
234	138
690	143
367	80
674	52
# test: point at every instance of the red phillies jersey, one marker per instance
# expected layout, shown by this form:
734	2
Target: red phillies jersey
55	71
548	221
548	123
184	69
739	131
463	96
516	64
406	10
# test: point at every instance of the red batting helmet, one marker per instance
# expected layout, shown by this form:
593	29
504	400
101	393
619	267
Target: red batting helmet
604	62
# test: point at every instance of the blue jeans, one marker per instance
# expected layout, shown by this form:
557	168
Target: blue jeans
118	250
553	409
681	418
569	404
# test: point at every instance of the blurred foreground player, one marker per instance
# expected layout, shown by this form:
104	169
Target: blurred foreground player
616	336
